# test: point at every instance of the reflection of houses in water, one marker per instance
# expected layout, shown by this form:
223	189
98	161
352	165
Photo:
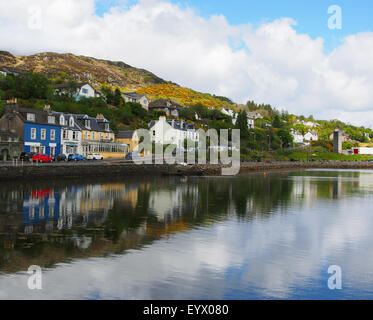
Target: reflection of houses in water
168	204
83	205
40	206
304	188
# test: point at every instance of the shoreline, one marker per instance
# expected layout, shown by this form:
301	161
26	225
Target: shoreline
118	169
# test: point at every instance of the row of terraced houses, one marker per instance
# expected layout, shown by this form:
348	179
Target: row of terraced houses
50	132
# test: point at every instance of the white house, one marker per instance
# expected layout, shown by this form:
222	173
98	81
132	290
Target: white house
228	112
311	136
82	90
138	98
250	123
71	134
172	132
298	137
254	115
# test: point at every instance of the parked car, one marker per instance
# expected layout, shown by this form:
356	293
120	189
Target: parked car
95	156
26	156
75	157
131	156
41	157
60	157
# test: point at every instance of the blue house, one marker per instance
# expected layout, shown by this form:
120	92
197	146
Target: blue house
38	129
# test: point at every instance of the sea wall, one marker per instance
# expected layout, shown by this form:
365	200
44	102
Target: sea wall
112	169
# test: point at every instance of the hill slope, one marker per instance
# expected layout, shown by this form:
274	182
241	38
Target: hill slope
82	69
97	72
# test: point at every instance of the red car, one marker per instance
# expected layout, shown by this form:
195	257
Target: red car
41	157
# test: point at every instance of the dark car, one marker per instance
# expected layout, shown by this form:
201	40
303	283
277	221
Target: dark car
26	156
60	157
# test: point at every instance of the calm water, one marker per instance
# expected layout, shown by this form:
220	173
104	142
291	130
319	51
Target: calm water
248	237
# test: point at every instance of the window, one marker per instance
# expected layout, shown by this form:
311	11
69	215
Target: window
71	122
94	136
30	117
64	134
51	119
53	134
74	135
85	91
62	120
52	151
87	123
43	133
106	126
33	133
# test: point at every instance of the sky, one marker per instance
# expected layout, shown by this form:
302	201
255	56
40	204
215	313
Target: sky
281	52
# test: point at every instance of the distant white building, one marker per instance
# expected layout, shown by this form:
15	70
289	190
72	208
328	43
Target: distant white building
82	90
297	136
172	132
254	115
228	112
311	136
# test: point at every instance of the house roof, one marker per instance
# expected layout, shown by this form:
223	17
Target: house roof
178	125
41	116
133	95
163	103
95	124
67	116
125	134
66	85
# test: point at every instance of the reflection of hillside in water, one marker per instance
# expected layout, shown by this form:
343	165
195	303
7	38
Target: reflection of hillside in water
48	223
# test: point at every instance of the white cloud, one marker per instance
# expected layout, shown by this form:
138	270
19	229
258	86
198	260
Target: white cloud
276	64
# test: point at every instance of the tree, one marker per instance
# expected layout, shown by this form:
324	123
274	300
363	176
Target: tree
117	98
286	137
277	123
241	124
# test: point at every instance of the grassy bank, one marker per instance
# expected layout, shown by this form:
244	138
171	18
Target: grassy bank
320	156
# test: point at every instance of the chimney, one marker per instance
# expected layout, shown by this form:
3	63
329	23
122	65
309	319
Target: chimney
100	116
47	107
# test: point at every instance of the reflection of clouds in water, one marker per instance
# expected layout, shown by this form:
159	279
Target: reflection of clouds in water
270	257
273	255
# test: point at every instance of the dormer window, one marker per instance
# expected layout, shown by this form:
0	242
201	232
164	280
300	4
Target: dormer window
107	127
88	123
71	122
51	119
31	117
62	121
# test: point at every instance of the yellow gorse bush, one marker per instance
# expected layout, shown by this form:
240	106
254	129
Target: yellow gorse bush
182	96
